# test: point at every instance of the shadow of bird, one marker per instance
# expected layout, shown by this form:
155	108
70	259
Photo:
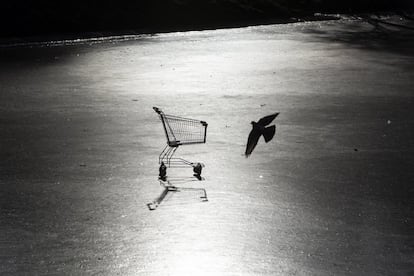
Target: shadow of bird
258	130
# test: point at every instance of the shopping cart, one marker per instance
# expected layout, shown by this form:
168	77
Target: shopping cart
179	131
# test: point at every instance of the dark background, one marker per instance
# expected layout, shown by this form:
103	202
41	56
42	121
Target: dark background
35	17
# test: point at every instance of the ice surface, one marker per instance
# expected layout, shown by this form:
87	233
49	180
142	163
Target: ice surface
331	194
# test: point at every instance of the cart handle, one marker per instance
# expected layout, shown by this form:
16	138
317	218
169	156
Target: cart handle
156	109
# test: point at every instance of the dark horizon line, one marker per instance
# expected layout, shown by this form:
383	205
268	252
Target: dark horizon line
50	37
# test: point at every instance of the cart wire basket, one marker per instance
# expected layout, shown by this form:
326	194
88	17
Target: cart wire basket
180	131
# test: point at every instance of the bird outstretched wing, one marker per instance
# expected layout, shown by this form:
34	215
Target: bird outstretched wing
267	119
252	141
269	132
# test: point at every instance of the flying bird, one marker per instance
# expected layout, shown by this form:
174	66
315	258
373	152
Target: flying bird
258	130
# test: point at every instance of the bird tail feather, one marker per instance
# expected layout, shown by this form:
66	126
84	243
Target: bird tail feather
268	133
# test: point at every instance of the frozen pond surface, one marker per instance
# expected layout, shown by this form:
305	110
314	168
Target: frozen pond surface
331	194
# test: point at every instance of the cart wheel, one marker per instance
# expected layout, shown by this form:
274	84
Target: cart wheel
197	169
163	172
